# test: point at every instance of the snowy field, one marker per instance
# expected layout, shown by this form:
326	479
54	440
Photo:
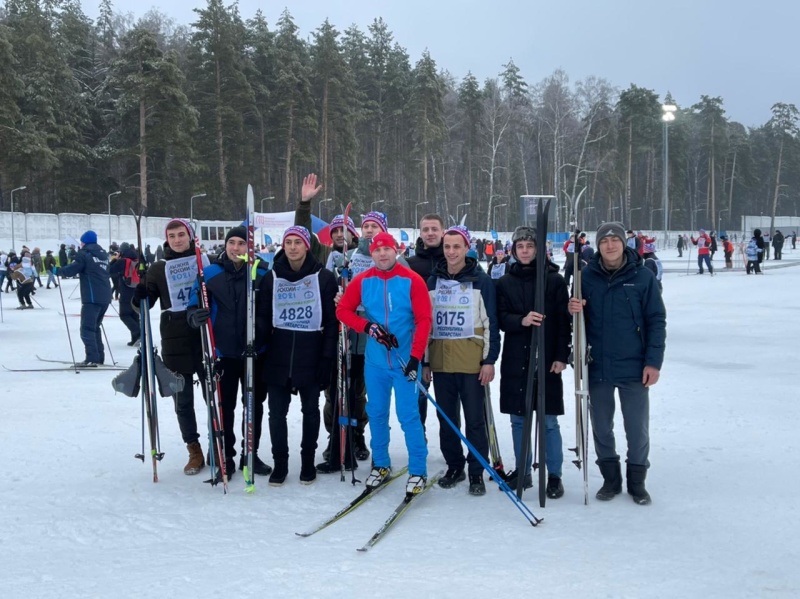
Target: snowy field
80	517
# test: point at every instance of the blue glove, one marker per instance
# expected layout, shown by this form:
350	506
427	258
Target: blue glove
55	271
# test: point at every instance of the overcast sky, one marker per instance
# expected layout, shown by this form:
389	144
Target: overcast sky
745	51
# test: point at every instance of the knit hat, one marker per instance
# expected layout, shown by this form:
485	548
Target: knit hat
459	230
381	240
180	221
612	229
376	217
89	237
300	232
338	223
239	232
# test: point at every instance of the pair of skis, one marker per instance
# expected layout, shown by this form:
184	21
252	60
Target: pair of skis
367	494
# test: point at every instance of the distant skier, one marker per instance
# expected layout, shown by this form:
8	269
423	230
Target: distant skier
703	243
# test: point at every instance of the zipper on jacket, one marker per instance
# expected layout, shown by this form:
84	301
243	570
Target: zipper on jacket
386	318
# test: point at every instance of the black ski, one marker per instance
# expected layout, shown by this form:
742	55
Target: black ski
365	495
401	509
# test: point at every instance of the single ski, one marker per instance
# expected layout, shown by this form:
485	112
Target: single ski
401	509
491	433
250	351
365	495
114	366
77	368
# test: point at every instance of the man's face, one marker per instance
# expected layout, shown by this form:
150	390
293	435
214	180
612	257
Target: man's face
384	257
295	248
526	251
611	249
234	248
178	239
431	232
337	236
455	250
370	229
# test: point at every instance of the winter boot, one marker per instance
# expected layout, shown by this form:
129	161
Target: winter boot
128	382
476	485
328	468
362	453
416	485
452	477
554	487
512	481
169	383
377	477
612	479
259	467
308	472
279	472
196	462
635	476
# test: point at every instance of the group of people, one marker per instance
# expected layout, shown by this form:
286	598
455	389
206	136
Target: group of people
432	321
23	272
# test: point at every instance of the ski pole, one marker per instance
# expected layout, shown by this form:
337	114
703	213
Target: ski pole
520	505
2	319
108	345
69	337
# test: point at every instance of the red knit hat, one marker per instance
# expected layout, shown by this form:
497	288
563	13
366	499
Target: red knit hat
382	239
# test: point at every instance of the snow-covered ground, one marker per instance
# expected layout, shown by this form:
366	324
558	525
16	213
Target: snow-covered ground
80	517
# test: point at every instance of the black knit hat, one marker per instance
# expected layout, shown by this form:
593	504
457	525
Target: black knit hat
239	232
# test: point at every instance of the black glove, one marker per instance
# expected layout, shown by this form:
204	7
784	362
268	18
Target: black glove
325	373
140	292
197	318
412	369
379	334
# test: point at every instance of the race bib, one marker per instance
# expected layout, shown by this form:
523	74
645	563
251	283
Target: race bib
498	270
335	259
359	263
297	306
181	274
452	310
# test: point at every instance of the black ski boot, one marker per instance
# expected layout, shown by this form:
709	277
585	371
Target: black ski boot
512	481
476	485
452	477
612	480
635	475
554	487
329	468
259	467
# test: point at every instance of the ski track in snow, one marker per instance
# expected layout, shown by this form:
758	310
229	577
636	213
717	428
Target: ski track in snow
80	516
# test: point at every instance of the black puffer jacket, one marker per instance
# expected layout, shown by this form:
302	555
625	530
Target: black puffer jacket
227	295
515	298
298	358
181	346
424	260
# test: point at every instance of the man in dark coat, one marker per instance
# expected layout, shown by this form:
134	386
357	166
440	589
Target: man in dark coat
427	254
226	283
626	329
297	317
777	243
170	282
120	271
515	301
91	265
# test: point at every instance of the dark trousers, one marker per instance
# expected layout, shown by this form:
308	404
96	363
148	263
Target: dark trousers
454	391
358	397
778	252
279	399
634	400
231	379
184	407
128	316
91	335
24	293
754	266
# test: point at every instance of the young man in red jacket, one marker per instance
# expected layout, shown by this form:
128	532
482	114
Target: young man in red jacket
397	320
703	243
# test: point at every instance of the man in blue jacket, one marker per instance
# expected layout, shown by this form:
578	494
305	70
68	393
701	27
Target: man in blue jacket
626	330
91	265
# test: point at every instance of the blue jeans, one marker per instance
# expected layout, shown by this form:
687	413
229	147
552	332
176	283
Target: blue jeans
51	278
380	382
554	454
704	258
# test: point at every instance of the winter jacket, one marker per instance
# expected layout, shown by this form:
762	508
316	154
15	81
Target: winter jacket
752	250
62	255
181	345
424	260
515	298
227	295
49	262
398	300
466	355
778	240
494	272
703	243
626	321
36	257
298	358
91	264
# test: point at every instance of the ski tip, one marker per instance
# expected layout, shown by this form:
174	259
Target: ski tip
363	549
303	535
